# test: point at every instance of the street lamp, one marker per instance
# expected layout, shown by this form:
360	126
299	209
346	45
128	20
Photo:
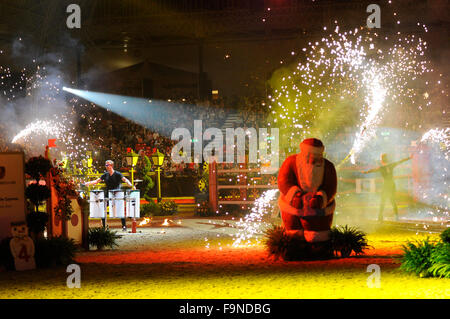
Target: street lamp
132	160
158	160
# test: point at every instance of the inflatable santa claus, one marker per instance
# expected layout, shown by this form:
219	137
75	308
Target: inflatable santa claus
307	183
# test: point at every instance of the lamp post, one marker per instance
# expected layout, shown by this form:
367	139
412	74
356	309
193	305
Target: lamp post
132	161
158	159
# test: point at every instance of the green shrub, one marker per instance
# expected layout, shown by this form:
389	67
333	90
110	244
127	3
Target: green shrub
54	251
150	209
159	209
417	257
280	244
345	240
147	181
168	208
48	252
102	237
440	260
445	236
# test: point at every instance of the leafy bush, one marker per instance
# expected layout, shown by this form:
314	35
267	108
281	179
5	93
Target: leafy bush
147	182
417	257
102	237
54	251
445	236
280	244
150	209
168	208
159	209
440	260
426	258
346	240
65	189
48	252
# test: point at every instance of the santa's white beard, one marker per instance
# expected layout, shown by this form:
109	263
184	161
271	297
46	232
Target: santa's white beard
310	175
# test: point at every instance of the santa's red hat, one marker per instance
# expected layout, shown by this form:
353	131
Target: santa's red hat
312	145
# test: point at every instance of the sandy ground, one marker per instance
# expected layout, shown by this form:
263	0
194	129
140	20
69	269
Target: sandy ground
176	262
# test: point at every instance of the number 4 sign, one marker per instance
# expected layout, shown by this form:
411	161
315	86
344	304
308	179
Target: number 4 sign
22	247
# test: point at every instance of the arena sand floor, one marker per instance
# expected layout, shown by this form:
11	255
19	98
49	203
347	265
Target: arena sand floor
195	260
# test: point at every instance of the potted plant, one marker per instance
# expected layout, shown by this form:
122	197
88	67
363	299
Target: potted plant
346	239
102	237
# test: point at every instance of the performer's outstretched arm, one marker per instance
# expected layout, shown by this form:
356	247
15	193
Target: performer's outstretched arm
401	161
98	180
373	170
124	179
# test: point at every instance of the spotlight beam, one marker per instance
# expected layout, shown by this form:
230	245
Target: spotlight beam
152	114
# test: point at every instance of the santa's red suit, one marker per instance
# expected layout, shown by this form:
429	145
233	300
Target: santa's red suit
308	183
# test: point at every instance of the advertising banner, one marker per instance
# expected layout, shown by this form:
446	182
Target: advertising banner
12	191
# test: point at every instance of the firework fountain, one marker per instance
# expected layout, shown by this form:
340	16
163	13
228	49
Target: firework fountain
35	110
346	74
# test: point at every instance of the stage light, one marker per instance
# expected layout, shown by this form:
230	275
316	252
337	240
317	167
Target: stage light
152	114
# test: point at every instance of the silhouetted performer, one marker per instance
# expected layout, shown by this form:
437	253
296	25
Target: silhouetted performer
388	190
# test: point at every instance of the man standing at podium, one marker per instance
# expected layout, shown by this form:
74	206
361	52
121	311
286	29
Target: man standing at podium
113	180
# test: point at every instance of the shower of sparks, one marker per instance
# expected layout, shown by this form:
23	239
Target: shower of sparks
36	93
435	191
343	74
253	225
441	137
49	128
371	119
37	133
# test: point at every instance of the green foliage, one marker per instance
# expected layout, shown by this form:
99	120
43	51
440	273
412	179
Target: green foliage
49	252
64	208
440	260
159	209
168	208
426	258
54	251
280	244
147	181
417	257
150	209
65	190
37	167
102	237
36	221
445	236
346	240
